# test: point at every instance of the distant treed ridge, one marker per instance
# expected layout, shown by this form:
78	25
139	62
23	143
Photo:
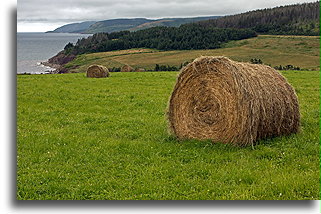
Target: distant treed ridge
185	37
299	19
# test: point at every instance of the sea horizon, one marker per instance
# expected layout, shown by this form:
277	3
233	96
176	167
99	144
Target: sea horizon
36	47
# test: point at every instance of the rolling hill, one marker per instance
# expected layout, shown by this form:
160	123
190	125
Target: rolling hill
73	28
114	25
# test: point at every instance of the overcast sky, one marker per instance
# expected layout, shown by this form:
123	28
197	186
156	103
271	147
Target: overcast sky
44	15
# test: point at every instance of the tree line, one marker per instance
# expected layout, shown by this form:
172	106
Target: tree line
299	19
280	67
185	37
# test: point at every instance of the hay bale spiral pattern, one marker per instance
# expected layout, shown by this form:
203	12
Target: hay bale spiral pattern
97	71
232	102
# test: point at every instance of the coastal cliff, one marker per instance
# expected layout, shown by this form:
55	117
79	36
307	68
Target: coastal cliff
58	61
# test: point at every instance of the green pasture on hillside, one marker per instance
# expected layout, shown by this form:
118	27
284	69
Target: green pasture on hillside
275	50
108	139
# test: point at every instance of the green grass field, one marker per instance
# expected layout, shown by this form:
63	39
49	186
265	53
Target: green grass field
107	139
302	51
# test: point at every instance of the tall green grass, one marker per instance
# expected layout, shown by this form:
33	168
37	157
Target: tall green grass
107	139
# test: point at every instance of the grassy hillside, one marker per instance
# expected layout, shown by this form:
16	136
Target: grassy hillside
80	138
302	51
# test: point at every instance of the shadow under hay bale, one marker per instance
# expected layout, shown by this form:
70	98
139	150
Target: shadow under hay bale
232	102
127	68
97	71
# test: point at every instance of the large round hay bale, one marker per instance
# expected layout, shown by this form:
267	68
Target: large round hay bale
232	102
97	71
126	68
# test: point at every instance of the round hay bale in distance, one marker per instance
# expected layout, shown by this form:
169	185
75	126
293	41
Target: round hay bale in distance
232	102
127	68
97	71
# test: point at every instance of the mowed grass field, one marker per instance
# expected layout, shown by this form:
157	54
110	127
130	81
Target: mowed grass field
302	51
108	139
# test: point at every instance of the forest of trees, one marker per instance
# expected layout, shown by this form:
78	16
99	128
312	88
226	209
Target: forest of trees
186	37
300	19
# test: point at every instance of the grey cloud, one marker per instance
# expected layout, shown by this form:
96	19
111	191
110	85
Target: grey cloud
68	11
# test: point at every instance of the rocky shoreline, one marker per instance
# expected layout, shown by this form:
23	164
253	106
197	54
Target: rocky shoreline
56	63
55	67
52	69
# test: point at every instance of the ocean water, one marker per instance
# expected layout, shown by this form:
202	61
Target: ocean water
33	48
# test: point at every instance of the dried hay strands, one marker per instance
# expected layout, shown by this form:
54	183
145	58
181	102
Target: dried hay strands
97	71
232	102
